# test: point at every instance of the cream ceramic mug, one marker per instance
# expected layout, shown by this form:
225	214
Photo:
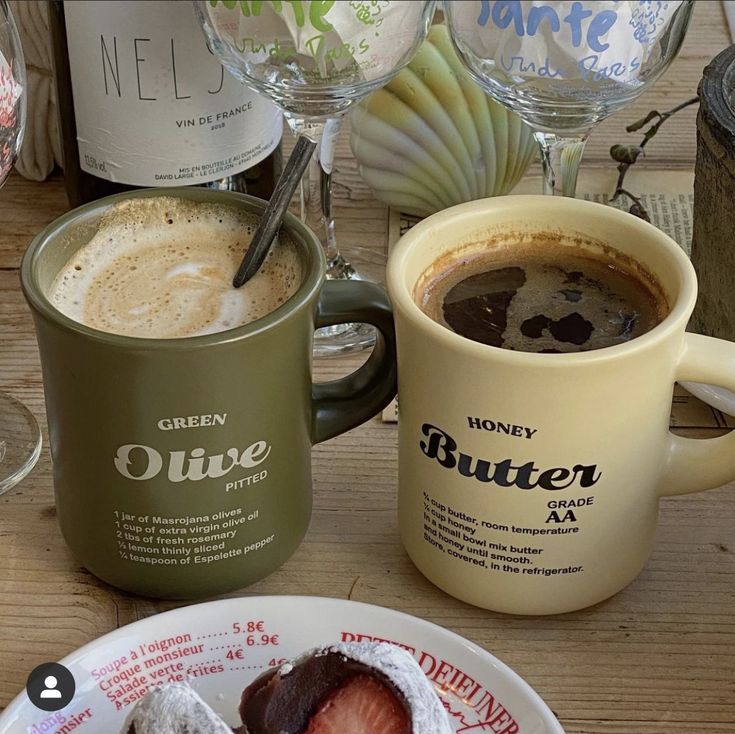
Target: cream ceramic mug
555	510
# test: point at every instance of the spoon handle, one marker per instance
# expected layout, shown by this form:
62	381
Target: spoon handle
272	217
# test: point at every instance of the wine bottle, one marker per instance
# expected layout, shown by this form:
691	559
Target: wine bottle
143	102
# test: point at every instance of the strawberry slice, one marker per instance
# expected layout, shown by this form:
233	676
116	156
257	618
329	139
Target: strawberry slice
364	705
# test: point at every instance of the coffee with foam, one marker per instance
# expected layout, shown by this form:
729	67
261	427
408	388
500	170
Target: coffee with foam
162	267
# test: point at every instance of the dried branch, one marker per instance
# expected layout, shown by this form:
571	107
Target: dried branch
627	155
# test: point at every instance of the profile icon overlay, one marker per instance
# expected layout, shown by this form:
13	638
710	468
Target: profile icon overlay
50	691
50	686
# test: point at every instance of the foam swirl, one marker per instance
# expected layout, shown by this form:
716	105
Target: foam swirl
162	268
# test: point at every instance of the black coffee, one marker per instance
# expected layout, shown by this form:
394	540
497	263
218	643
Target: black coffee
544	297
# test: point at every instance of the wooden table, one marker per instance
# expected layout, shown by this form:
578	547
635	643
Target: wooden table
657	658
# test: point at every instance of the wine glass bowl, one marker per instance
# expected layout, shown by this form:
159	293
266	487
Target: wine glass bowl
320	65
564	66
315	60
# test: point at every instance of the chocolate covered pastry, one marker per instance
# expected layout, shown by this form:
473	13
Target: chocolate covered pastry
348	688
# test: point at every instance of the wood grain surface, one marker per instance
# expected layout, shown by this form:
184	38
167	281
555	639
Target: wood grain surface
658	658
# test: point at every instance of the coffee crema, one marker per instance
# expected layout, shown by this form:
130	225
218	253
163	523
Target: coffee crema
543	296
162	267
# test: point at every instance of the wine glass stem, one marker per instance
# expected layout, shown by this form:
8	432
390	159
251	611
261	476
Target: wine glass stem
316	190
560	158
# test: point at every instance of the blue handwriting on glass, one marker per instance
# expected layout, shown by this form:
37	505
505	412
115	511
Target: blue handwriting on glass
505	12
587	68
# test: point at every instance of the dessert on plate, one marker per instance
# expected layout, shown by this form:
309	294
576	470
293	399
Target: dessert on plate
174	708
347	688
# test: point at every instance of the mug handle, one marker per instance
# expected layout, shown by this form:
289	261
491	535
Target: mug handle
340	405
692	464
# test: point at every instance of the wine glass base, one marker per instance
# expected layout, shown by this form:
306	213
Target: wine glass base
20	442
332	341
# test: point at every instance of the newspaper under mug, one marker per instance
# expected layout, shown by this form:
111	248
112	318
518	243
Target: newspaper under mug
598	420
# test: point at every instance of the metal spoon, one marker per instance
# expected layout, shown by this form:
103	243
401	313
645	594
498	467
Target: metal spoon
273	214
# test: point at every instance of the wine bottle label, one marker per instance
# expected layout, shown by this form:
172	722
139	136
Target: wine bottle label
153	105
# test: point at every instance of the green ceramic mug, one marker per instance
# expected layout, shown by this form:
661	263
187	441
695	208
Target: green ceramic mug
182	467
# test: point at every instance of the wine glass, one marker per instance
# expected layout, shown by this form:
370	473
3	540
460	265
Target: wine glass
565	66
20	437
315	60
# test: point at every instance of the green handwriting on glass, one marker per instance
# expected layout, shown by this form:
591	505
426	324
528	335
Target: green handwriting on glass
367	11
316	46
317	10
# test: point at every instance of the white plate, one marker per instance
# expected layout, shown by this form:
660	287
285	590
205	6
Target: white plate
212	646
717	397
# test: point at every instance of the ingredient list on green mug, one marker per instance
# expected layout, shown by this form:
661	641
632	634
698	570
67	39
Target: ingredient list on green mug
160	540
